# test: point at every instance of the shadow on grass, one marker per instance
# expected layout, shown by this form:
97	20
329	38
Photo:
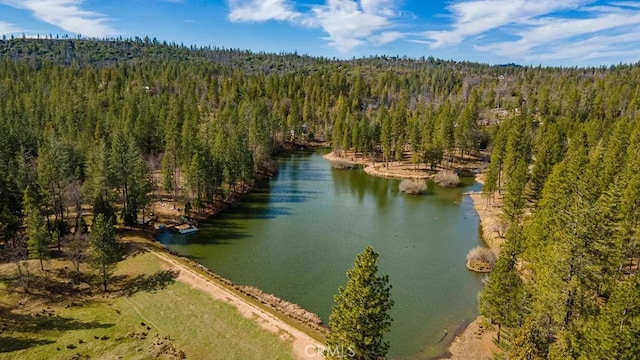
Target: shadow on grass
9	344
44	321
37	324
150	283
61	323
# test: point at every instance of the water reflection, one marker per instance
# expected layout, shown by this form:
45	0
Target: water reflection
297	234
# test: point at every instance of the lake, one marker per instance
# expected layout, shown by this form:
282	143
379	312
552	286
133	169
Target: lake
297	234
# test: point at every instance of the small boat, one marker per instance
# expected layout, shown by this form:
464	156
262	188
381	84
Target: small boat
186	229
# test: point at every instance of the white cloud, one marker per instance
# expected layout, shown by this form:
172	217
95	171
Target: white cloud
386	37
478	16
67	15
569	31
6	28
517	30
347	23
261	10
350	23
606	30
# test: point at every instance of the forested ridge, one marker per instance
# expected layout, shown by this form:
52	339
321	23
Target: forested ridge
88	121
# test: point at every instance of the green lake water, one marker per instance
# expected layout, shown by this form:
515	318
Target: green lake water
297	234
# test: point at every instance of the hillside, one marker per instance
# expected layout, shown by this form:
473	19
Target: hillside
86	123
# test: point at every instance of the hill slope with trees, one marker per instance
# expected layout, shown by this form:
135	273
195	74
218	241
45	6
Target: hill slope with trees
87	121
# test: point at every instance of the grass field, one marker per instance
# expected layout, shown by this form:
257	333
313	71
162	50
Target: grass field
164	323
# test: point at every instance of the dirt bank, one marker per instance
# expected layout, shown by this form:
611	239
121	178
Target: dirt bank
395	170
474	343
304	346
489	213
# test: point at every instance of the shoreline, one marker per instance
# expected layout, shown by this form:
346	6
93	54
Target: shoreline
472	341
469	341
265	314
297	327
378	169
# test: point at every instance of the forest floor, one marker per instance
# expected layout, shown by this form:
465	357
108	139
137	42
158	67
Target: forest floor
157	306
476	341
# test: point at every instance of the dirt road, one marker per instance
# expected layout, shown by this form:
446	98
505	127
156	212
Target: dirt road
304	347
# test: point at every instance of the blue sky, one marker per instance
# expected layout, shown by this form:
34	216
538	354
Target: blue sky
530	32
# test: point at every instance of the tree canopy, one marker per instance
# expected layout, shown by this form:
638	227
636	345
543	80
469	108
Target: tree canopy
360	315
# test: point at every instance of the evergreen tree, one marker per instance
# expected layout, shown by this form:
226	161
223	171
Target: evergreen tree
433	155
492	181
38	237
96	183
514	199
466	131
386	134
360	317
504	298
53	172
104	248
130	174
549	150
615	333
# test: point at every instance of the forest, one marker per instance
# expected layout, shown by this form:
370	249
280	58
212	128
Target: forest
89	121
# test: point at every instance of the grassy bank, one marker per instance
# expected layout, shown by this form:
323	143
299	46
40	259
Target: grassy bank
130	322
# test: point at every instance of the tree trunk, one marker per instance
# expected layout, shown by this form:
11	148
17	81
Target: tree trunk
76	276
24	280
499	177
104	277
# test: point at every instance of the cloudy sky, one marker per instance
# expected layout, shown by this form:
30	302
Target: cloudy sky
530	32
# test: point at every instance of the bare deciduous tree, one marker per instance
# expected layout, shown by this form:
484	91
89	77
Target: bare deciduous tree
76	245
16	252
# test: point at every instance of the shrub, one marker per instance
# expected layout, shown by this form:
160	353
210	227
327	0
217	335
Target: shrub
447	178
342	164
497	227
483	254
413	187
481	259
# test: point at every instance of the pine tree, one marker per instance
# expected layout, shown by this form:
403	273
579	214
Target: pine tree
466	131
360	317
514	200
53	173
104	248
549	150
503	298
386	134
38	238
614	334
492	181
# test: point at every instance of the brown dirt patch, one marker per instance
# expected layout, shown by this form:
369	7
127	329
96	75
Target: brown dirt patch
475	343
405	169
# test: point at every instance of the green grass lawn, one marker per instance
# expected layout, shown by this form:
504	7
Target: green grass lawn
176	318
